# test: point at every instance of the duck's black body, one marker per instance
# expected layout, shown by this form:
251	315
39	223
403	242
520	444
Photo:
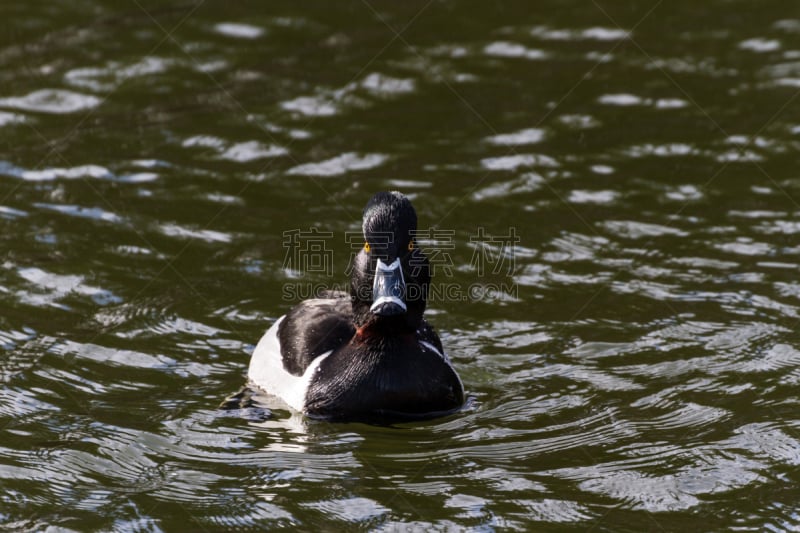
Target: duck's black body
369	354
378	372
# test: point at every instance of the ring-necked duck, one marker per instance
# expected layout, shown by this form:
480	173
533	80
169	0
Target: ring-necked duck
370	353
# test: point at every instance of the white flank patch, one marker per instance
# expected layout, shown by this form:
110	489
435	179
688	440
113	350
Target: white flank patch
267	373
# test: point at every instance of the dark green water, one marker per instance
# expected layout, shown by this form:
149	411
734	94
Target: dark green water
632	362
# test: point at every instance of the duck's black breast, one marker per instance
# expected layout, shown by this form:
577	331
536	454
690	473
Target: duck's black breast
312	328
397	377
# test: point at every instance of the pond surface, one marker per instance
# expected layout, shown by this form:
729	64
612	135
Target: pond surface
610	191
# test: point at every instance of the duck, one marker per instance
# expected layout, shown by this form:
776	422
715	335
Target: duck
369	354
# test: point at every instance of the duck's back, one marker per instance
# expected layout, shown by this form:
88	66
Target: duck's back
312	328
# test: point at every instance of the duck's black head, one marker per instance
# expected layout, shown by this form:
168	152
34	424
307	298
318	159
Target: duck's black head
390	278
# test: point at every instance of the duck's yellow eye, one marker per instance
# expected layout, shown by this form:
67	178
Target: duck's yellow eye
366	247
410	245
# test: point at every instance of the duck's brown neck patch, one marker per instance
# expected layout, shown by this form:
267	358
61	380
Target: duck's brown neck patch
380	330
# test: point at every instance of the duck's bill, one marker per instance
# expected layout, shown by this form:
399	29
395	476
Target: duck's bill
388	290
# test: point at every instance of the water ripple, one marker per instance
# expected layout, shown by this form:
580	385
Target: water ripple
706	472
53	101
102	354
509	49
51	287
113	74
350	509
330	102
526	183
517	161
632	229
7	118
239	30
92	213
518	138
182	232
341	164
552	510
